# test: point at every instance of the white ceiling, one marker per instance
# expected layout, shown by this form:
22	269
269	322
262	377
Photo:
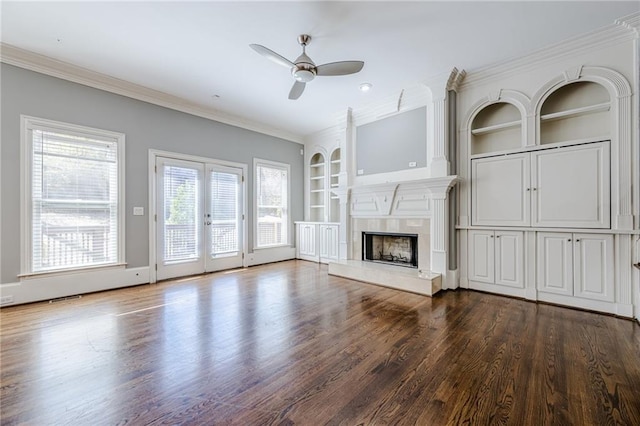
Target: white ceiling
195	50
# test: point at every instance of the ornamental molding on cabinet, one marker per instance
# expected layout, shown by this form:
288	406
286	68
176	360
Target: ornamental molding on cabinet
623	29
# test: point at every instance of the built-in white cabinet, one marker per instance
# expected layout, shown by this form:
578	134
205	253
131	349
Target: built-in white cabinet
565	187
328	242
496	258
570	187
306	241
500	195
317	241
554	163
575	264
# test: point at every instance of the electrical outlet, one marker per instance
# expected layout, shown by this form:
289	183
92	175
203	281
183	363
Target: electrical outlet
5	300
412	164
138	211
360	171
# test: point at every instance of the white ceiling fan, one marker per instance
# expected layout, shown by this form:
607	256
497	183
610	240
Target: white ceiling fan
303	69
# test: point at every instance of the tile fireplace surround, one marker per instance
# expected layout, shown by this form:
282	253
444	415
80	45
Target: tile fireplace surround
419	280
419	227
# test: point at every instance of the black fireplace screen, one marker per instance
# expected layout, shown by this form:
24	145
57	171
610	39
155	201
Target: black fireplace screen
395	249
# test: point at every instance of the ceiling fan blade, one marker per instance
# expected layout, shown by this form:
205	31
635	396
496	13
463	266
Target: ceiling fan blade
339	68
296	90
270	54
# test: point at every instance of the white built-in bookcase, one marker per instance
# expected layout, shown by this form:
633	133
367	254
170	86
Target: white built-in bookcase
549	192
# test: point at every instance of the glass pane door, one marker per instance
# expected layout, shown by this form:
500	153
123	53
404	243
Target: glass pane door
224	217
179	218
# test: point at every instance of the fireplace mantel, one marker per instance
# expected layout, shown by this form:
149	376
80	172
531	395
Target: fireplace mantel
410	198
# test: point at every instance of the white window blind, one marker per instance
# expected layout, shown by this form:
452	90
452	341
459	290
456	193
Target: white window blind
181	210
272	183
74	200
224	213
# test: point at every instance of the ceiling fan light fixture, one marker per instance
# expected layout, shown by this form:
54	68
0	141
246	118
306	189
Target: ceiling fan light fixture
365	87
303	75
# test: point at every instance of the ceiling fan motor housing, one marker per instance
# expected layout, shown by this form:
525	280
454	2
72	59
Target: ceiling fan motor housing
305	69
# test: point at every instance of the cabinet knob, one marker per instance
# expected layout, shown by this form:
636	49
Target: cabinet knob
578	240
535	189
569	239
528	189
497	236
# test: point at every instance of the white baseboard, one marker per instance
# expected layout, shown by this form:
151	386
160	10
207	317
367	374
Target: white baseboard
35	289
452	280
270	255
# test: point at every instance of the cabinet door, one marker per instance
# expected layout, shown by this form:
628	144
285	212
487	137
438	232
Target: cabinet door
481	256
328	242
593	266
570	186
307	239
499	190
509	258
555	263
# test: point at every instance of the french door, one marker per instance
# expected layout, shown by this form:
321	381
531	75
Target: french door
199	225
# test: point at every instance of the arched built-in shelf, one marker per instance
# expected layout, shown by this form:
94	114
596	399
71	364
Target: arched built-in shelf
576	112
317	190
496	128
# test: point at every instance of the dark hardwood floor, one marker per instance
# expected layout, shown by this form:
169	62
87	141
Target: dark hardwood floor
287	344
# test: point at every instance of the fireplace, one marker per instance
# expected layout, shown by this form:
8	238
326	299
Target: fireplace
390	248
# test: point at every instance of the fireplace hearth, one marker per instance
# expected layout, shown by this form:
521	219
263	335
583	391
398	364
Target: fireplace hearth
390	248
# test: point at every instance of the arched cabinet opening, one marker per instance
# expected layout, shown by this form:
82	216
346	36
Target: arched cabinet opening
496	128
576	112
317	190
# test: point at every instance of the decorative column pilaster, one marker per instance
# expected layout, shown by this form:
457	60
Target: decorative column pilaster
438	119
439	219
344	180
344	233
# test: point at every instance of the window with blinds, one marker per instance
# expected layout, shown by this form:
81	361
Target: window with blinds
272	203
73	196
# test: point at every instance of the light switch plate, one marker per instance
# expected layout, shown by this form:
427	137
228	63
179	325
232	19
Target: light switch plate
138	211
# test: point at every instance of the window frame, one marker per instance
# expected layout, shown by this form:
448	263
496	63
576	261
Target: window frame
276	165
27	125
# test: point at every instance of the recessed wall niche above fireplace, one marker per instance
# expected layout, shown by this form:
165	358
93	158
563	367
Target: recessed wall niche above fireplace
390	248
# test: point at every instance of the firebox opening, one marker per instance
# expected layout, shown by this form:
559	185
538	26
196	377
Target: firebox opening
394	249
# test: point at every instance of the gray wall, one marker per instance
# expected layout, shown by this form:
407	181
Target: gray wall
146	126
390	144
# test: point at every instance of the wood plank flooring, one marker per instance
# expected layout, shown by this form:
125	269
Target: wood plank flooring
286	344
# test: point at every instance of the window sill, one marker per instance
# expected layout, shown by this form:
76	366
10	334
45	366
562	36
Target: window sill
58	272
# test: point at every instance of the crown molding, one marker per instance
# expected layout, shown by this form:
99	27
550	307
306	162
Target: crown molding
623	29
44	65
